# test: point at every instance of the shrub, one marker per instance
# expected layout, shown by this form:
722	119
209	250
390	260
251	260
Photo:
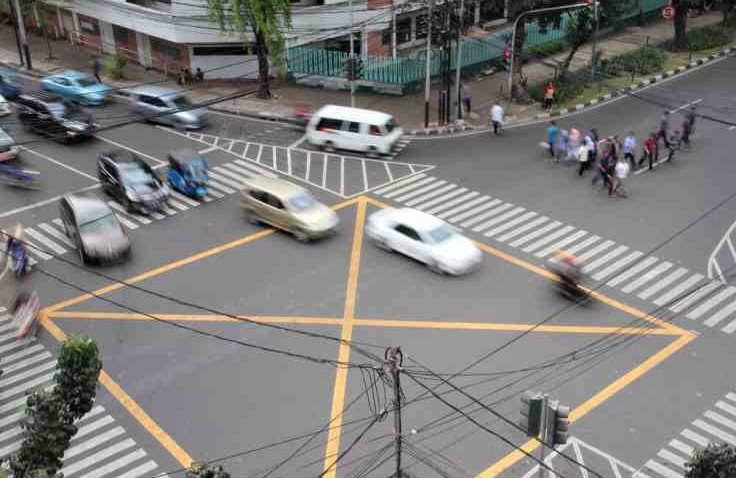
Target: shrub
115	66
544	50
78	368
205	470
565	88
642	61
703	38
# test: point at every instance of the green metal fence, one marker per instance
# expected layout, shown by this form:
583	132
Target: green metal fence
406	71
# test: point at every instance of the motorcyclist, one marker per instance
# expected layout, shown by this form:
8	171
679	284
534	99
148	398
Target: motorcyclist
568	270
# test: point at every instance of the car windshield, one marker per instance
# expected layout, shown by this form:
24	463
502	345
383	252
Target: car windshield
181	101
57	109
196	170
134	175
84	82
441	233
99	225
301	202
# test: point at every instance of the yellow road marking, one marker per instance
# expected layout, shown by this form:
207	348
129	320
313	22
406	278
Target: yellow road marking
127	401
194	318
593	402
341	376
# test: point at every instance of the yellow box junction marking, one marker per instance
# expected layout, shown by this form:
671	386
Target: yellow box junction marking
348	321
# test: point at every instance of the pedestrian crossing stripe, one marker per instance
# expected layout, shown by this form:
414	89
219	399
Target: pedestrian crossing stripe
631	271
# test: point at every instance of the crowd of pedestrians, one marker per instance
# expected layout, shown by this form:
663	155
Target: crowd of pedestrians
613	159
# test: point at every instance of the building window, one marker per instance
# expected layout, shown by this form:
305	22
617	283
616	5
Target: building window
421	27
165	48
89	26
387	36
120	34
403	31
223	50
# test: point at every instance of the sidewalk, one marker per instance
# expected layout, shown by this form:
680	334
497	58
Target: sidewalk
409	109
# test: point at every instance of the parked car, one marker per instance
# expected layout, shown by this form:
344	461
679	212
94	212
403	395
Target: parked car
78	87
287	206
10	87
48	114
94	229
340	127
188	172
131	181
8	149
425	238
168	107
5	109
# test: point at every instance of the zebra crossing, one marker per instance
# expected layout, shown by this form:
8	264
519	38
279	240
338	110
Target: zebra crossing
101	447
717	425
48	239
674	288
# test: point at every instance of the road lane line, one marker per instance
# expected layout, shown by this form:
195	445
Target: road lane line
59	235
536	233
662	470
445	200
93	426
617	265
400	183
309	166
246	174
632	271
288	161
59	163
208	150
97	457
672	458
122	216
678	290
28	373
142	470
421	191
324	170
214	185
695	437
710	303
648	276
715	431
686	105
560	244
726	407
388	171
260	151
180	206
139	153
596	250
274	158
720	315
680	446
498	219
442	210
577	247
229	182
249	165
234	176
475	210
42	380
547	239
415	185
116	464
508	225
487	214
663	283
33	249
45	241
695	296
90	444
521	229
26	362
180	197
593	265
299	141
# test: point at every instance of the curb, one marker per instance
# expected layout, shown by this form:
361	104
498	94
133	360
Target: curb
440	130
646	82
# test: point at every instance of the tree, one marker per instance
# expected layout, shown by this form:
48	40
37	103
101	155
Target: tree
78	365
728	10
37	6
260	22
713	461
47	431
680	24
205	470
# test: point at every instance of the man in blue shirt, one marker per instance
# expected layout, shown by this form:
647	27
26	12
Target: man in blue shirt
552	132
630	148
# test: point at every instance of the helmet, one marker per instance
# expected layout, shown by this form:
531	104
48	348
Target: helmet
568	258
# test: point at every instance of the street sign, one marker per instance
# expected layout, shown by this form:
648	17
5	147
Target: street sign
668	12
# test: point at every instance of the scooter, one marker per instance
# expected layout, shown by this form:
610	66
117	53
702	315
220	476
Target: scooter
19	178
571	286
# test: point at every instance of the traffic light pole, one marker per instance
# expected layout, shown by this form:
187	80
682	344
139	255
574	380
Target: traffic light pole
459	60
544	433
352	55
393	360
428	73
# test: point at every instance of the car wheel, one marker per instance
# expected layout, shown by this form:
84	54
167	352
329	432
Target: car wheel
435	267
372	152
301	236
329	146
381	244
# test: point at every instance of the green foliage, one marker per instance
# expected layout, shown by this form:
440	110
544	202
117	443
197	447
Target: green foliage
565	88
78	366
47	431
642	61
706	37
579	28
713	461
205	470
544	50
115	66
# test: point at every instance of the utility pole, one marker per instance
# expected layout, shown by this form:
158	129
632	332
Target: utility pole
352	55
448	59
459	59
22	32
594	47
428	73
543	434
393	28
11	9
393	360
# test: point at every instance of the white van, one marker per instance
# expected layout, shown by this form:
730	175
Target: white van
339	127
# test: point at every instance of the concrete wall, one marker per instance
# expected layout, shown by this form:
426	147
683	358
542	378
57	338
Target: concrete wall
246	67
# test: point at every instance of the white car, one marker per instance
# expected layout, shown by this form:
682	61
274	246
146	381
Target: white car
4	106
425	238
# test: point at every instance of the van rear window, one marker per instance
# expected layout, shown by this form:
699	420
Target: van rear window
329	124
391	125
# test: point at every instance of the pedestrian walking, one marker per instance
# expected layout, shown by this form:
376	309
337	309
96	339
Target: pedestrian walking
564	145
690	117
552	133
662	133
621	172
199	75
583	159
617	147
497	115
630	149
686	131
674	145
465	92
549	95
575	141
650	147
182	78
603	164
97	69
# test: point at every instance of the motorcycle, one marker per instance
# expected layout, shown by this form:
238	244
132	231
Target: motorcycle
25	315
20	178
570	283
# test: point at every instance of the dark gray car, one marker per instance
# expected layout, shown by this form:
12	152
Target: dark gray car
94	229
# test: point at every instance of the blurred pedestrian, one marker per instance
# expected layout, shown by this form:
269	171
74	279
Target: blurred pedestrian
564	145
497	115
618	147
673	145
621	172
199	75
552	133
690	117
549	96
662	133
575	141
650	147
630	149
603	164
97	69
465	92
583	159
181	79
188	78
592	148
686	134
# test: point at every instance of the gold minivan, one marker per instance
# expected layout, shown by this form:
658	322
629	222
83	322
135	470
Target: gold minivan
287	206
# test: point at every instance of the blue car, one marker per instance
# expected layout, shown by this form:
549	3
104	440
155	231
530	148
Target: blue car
10	87
78	87
188	172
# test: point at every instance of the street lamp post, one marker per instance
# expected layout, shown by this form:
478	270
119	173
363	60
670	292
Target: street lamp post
513	34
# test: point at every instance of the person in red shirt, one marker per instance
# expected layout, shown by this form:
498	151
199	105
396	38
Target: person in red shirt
549	95
650	147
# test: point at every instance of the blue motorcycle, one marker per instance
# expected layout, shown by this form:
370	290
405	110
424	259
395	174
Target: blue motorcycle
19	178
10	87
188	172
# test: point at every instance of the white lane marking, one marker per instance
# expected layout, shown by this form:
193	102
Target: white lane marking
365	175
731	128
227	181
234	175
680	446
260	152
492	222
299	141
560	244
59	235
26	386
593	265
596	250
58	222
97	457
208	150
578	247
180	197
434	189
388	171
91	427
59	163
137	217
141	470
672	458
726	407
429	187
536	233
481	217
718	418
180	206
662	470
274	158
121	216
521	229
440	203
695	437
464	199
90	444
632	271
716	432
309	166
612	268
25	362
549	238
167	209
415	185
508	225
132	150
253	167
45	241
635	284
678	290
400	183
686	105
116	464
474	211
213	185
710	303
721	314
35	250
342	175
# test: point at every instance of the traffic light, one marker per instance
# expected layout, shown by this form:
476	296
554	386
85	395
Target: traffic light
531	413
559	423
506	57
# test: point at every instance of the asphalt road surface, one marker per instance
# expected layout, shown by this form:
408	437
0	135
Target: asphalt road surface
221	339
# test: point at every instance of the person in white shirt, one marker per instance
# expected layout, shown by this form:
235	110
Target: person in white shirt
622	172
497	117
582	159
